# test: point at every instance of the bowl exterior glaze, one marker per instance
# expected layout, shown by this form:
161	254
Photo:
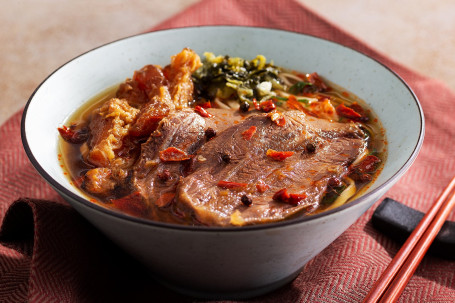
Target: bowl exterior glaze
216	262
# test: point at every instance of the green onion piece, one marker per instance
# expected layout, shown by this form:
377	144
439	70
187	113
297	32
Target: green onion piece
297	88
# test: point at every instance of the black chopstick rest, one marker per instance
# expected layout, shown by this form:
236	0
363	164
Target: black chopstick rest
397	221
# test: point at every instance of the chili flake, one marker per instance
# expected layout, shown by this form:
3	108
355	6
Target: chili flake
231	185
261	186
279	155
283	196
249	133
201	111
267	106
348	112
71	135
173	154
256	105
277	117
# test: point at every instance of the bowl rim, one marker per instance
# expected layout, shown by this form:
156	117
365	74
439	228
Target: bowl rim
270	225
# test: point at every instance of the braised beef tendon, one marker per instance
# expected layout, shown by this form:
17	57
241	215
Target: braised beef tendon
315	152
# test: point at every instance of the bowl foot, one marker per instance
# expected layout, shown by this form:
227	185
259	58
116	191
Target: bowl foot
242	294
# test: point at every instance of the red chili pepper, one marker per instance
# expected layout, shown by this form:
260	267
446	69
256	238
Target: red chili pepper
277	117
249	133
231	185
69	134
317	82
359	109
131	204
279	155
361	171
206	105
294	199
281	196
201	111
347	112
172	154
261	186
256	104
267	106
294	104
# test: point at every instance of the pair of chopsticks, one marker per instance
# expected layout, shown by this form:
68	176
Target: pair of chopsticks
395	277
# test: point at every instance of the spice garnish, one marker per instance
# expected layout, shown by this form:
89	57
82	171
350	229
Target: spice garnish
247	201
267	106
73	135
249	133
277	117
226	158
294	199
348	112
279	155
283	196
173	154
201	111
293	103
206	105
231	185
261	186
361	172
256	105
210	133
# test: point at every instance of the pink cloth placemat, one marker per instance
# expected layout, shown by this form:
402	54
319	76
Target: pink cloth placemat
49	253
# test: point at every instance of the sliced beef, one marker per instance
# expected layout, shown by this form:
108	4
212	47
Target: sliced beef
169	152
246	166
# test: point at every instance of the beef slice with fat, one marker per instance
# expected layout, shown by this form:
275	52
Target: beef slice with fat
321	150
185	130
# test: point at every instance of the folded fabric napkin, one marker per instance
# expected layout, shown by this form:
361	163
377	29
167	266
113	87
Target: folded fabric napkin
50	253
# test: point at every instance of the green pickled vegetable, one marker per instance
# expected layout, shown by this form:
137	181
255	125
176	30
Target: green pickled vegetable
231	78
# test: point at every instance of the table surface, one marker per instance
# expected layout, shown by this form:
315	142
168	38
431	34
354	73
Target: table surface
38	36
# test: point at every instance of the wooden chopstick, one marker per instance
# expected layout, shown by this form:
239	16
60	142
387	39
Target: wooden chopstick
395	277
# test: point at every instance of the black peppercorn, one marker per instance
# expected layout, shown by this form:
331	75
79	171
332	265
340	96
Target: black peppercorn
226	158
247	201
210	133
244	106
310	148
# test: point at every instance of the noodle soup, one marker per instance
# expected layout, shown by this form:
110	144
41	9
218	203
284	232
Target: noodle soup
222	142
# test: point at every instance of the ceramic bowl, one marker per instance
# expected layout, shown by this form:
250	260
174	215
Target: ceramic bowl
223	262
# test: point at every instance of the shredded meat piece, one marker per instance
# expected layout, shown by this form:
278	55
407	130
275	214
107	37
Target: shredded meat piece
179	73
108	128
152	113
130	91
99	181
